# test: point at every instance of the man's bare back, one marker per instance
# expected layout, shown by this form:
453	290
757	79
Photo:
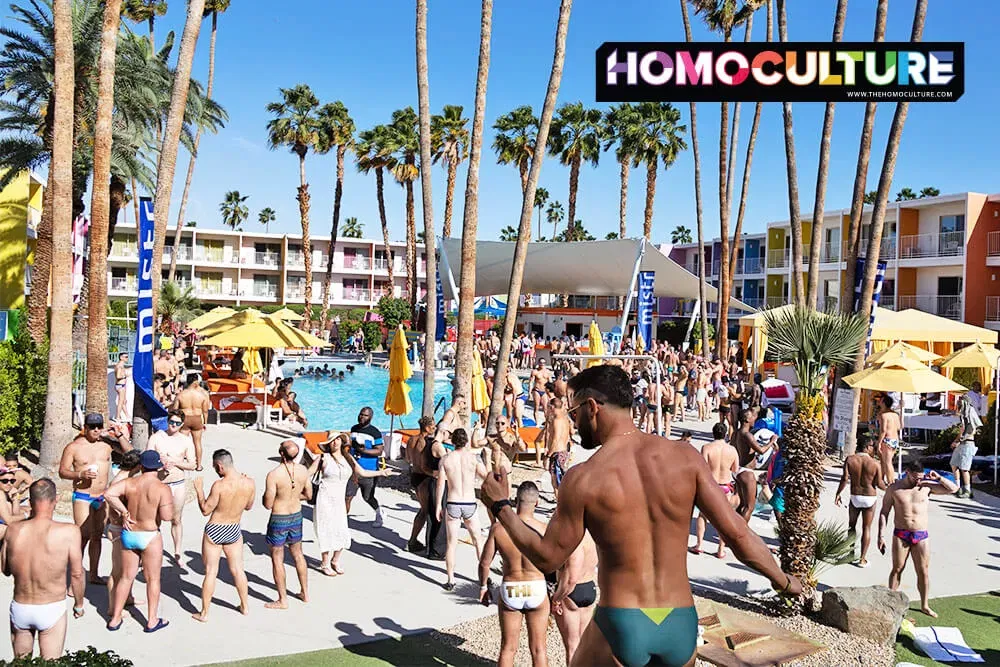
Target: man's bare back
723	461
235	495
889	425
148	501
461	469
516	566
864	474
38	551
193	402
557	433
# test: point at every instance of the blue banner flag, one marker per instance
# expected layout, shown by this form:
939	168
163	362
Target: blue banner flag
142	366
442	323
644	317
859	279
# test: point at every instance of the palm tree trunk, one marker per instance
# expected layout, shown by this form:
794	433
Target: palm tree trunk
379	192
58	430
722	321
303	199
647	224
462	384
197	141
523	169
449	199
798	288
623	196
524	231
411	250
823	172
38	298
338	194
574	184
152	34
116	202
100	204
171	140
426	201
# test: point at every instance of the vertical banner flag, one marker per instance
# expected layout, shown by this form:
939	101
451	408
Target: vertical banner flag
142	365
442	323
859	279
644	319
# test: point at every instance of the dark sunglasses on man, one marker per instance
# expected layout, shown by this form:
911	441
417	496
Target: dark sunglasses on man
176	422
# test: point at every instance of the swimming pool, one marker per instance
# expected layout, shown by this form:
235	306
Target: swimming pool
334	404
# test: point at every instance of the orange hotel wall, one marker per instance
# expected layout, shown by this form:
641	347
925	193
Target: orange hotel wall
981	281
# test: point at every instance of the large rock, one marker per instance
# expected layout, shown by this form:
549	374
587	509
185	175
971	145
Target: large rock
874	612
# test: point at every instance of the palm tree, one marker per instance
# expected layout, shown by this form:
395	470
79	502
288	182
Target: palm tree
353	229
703	314
470	222
527	204
576	137
172	128
266	217
508	234
929	192
575	232
405	143
798	288
610	236
541	197
681	234
295	125
145	10
176	305
425	141
214	8
336	133
97	333
514	142
906	194
870	196
372	150
234	209
622	127
812	343
661	139
823	172
450	144
554	215
57	430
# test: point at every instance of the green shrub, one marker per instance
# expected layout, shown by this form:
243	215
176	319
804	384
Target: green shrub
965	376
984	436
393	311
88	657
941	444
23	380
834	546
373	334
696	332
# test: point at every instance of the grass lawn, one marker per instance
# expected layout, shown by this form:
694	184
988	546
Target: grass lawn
977	616
417	649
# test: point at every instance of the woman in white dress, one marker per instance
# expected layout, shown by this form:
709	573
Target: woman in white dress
335	466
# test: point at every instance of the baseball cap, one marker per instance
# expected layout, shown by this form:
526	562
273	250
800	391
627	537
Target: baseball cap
94	419
150	460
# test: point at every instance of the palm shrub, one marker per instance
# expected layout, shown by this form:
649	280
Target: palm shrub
23	379
177	305
813	343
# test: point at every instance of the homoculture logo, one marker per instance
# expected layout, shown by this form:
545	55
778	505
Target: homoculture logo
785	72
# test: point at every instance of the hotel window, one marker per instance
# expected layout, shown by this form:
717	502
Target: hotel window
212	250
952	238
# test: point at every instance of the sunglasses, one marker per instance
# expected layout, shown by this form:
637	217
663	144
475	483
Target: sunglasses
576	408
7	481
174	422
95	428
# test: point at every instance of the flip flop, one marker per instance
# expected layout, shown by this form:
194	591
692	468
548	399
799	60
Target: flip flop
693	550
160	624
115	628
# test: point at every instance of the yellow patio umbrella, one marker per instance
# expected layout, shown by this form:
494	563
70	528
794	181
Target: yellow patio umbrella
288	315
596	344
903	349
983	357
257	331
480	397
230	322
211	317
252	363
904	375
397	394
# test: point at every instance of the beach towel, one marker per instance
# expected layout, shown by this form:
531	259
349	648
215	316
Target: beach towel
944	645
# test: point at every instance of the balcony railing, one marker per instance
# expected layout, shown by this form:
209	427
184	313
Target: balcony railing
266	258
294	292
947	244
126	250
183	253
357	262
755	303
942	305
124	284
830	253
381	264
593	302
750	266
715	267
993	309
993	244
265	291
886	253
209	290
778	259
357	295
203	255
298	259
775	301
887	301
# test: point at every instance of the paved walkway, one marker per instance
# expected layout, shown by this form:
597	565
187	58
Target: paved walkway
388	592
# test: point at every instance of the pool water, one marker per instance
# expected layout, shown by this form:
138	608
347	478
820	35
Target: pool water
334	404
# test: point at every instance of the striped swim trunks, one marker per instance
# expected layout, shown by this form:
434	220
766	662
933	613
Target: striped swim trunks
223	534
284	529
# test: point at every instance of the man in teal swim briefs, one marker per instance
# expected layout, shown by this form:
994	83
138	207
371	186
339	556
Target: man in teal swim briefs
635	496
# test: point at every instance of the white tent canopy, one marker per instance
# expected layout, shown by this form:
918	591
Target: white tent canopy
595	268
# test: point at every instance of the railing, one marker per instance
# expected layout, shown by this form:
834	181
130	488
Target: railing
715	267
887	301
751	266
886	253
691	267
775	301
947	244
208	290
266	258
183	253
381	265
778	259
124	284
942	305
993	309
294	292
357	262
830	253
754	302
296	259
357	295
126	250
265	291
993	244
203	255
236	258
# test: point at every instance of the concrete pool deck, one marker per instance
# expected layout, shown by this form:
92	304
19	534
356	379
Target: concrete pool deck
389	592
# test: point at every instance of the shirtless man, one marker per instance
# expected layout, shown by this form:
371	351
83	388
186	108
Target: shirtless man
419	475
230	496
194	404
540	377
177	454
459	470
451	419
129	468
143	503
574	612
910	496
701	392
889	426
505	446
87	462
755	450
515	398
285	488
165	365
37	552
635	496
523	593
121	386
723	462
863	474
557	444
10	508
22	478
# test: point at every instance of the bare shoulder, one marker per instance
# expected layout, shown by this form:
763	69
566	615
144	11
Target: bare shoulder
66	530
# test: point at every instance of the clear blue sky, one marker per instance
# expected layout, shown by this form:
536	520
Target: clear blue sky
363	54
